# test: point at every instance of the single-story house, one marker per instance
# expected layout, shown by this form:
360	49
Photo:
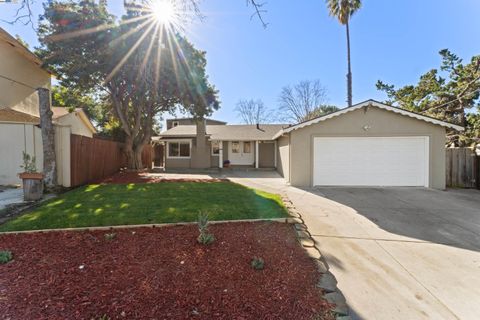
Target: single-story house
368	144
21	74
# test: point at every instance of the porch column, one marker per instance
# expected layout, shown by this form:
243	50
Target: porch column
256	154
275	153
220	154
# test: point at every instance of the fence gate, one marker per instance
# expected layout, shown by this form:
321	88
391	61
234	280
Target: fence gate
463	168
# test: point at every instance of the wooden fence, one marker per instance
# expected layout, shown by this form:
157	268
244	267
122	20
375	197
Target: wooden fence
463	168
93	159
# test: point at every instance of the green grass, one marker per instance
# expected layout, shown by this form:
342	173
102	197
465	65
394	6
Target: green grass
108	205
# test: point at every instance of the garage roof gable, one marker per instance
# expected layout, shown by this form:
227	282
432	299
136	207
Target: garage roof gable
370	103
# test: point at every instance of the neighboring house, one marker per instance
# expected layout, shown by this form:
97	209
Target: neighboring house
76	120
368	144
21	74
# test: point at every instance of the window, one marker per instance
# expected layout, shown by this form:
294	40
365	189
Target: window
215	148
235	147
247	147
179	149
174	123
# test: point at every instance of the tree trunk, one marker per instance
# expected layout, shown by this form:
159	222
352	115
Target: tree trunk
48	138
349	73
134	155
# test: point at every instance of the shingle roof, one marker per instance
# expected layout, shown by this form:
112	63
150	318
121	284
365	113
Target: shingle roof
10	115
228	132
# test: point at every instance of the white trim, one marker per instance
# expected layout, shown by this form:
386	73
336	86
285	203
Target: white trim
256	154
220	155
179	141
369	103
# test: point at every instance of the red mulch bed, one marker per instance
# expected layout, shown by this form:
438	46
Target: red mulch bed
160	273
143	177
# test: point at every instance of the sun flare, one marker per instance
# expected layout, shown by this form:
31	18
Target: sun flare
163	11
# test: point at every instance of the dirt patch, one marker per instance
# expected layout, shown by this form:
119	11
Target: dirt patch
144	177
160	273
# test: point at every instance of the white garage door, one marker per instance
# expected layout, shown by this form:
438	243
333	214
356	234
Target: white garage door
372	161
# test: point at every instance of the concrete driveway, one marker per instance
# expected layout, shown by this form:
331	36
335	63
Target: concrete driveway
397	253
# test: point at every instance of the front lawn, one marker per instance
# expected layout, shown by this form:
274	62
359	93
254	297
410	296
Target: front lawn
124	204
160	273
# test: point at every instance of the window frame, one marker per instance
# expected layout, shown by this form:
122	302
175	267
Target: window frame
219	149
184	141
249	147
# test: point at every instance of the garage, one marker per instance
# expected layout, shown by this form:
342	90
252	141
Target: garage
371	161
367	144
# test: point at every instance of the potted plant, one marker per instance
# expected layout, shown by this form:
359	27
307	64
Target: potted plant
32	180
226	163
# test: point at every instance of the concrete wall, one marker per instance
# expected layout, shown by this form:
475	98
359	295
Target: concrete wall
382	123
15	66
283	157
14	139
77	125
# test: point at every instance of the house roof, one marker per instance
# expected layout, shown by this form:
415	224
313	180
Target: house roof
59	112
370	103
10	115
227	132
208	119
20	48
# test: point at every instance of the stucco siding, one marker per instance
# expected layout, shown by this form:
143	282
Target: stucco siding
283	157
76	124
15	66
381	123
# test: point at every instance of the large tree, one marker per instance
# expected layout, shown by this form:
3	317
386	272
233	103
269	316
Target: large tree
450	93
145	67
303	101
343	11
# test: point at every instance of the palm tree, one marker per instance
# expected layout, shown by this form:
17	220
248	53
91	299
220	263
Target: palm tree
343	10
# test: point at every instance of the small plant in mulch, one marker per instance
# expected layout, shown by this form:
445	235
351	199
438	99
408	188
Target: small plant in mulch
110	236
5	256
257	263
205	237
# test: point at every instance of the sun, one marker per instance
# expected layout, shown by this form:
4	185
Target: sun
163	11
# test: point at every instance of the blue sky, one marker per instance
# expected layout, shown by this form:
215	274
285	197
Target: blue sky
395	41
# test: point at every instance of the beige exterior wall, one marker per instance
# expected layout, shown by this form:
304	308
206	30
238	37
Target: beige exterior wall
15	66
382	123
77	125
283	157
14	139
266	154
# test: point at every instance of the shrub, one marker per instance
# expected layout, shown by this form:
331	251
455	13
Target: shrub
257	263
205	237
29	163
110	236
5	256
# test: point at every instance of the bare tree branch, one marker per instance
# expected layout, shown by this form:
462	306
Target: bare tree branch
24	14
302	101
252	111
259	11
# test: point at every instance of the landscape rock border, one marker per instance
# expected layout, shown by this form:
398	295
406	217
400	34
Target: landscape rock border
327	281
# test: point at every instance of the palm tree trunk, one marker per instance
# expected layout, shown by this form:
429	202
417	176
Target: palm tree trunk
349	73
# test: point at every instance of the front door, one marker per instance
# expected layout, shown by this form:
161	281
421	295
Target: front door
241	153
